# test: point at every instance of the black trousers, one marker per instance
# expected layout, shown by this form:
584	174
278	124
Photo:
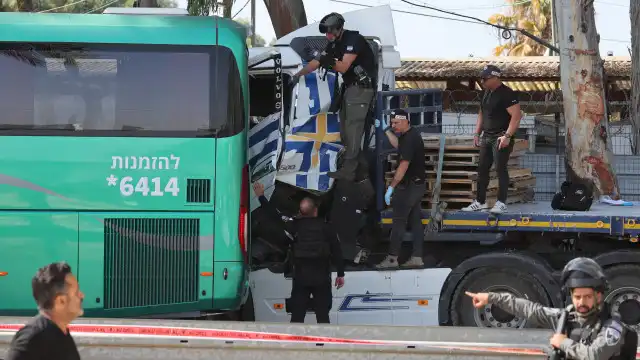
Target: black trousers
353	112
406	203
489	153
301	293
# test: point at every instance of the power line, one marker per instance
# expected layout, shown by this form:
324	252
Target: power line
102	6
617	40
520	2
64	6
506	31
242	8
613	4
412	13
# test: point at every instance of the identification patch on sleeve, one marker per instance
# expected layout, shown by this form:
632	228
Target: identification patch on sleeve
613	332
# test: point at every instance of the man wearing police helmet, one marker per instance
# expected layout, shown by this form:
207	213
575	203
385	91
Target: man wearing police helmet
349	54
593	333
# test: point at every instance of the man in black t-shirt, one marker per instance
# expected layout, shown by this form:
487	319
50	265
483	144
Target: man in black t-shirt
498	120
349	54
59	299
407	188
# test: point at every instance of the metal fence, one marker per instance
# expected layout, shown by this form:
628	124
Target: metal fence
544	128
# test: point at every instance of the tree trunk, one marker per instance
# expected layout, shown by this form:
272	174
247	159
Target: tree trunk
634	13
25	5
286	15
227	7
589	159
149	3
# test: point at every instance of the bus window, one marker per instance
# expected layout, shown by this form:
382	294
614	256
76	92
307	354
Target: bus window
153	88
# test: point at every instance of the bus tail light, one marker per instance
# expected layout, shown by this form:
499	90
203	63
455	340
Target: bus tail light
244	212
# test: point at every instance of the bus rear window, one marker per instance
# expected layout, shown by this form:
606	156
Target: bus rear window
106	87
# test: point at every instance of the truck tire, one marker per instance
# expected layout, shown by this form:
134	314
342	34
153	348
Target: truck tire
492	279
624	293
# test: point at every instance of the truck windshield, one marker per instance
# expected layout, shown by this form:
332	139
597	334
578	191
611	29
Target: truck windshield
105	87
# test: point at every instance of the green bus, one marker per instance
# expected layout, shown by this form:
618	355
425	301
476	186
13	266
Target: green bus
123	152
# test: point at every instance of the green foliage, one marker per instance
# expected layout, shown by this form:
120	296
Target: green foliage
260	41
531	15
71	6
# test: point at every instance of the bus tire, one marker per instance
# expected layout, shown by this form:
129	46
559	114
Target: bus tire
624	293
492	279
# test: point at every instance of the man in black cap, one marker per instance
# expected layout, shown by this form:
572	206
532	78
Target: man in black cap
349	54
406	189
498	121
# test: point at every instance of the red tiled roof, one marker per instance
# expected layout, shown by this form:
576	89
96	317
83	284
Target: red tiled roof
514	67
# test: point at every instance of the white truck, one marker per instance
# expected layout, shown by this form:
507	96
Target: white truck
295	143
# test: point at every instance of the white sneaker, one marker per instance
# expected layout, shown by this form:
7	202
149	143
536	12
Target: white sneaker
499	208
475	206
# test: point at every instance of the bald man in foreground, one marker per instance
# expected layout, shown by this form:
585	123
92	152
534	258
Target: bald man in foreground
314	248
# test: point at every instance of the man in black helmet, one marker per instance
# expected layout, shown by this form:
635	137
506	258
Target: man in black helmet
349	54
593	333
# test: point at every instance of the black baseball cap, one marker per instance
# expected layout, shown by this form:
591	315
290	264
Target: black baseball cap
400	114
490	71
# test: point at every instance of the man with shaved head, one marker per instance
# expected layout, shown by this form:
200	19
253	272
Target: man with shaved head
315	246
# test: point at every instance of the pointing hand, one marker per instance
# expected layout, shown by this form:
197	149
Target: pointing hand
479	300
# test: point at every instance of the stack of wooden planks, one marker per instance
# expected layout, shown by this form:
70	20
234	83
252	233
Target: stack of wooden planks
459	172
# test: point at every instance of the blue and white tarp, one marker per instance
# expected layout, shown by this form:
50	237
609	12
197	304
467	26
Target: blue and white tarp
312	143
265	143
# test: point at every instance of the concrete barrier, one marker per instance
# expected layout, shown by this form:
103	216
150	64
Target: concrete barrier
109	339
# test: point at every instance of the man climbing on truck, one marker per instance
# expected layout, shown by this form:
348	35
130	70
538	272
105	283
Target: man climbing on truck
349	54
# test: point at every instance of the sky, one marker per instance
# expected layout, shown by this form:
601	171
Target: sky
421	36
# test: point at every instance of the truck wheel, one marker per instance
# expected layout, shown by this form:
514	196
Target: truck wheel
624	294
518	283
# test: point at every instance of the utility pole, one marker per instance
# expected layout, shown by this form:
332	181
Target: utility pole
587	154
253	23
554	29
634	114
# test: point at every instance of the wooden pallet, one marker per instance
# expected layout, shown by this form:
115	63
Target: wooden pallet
457	202
458	184
461	177
517	184
458	144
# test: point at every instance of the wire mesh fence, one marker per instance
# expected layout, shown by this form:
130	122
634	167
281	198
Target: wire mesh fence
543	127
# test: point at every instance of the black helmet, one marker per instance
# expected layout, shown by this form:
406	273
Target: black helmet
333	21
584	273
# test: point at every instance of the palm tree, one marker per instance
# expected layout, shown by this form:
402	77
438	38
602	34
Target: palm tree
533	16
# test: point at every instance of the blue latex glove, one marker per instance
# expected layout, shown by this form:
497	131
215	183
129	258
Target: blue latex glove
387	195
384	124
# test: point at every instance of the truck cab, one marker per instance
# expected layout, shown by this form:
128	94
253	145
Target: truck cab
294	139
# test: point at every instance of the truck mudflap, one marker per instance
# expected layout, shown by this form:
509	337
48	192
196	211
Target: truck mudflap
148	339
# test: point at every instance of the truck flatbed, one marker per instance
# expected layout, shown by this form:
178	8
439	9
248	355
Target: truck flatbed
538	216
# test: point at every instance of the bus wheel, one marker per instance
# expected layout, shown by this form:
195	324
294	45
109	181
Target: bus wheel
624	294
518	283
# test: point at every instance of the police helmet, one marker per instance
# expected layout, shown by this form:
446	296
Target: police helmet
584	273
333	21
